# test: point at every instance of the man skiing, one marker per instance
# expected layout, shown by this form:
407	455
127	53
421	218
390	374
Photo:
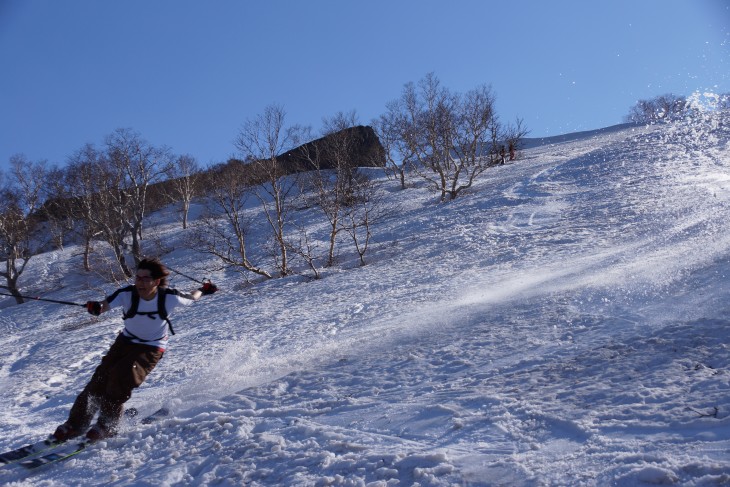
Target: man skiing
134	353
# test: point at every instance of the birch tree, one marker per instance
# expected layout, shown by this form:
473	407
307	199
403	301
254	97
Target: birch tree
22	193
136	165
260	140
183	184
229	188
445	136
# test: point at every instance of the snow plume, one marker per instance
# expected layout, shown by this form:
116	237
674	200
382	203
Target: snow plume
706	124
562	323
705	102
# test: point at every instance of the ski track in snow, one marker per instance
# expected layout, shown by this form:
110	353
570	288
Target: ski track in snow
563	323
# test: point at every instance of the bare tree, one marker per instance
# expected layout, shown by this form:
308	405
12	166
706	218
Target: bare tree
306	249
104	205
260	140
107	192
513	137
333	178
641	112
21	196
339	146
56	207
446	135
671	107
73	195
366	209
184	181
659	109
136	165
389	127
229	191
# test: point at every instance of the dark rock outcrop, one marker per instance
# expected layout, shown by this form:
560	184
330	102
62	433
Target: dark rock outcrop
356	147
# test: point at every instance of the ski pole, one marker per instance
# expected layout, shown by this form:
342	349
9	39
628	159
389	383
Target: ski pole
36	298
184	275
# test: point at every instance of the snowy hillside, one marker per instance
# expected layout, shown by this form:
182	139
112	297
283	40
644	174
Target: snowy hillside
564	323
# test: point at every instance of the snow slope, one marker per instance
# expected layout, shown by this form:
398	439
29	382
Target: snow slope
563	323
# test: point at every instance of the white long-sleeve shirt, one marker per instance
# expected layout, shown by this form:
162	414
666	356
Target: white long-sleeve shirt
147	326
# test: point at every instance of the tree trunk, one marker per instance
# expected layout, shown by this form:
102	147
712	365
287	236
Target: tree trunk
87	253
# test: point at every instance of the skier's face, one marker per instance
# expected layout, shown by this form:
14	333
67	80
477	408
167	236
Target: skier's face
145	284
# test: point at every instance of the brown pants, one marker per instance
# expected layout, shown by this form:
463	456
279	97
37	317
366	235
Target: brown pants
124	367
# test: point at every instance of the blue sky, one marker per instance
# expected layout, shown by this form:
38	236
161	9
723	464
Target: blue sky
187	74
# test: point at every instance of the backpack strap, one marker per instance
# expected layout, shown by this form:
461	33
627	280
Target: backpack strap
162	293
135	302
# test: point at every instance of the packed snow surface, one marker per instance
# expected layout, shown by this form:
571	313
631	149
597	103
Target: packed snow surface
564	322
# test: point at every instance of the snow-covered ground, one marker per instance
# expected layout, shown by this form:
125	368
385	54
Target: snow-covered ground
566	322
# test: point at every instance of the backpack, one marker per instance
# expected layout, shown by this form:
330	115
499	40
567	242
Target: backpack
162	293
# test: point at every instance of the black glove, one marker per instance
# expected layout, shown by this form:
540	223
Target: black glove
208	288
93	307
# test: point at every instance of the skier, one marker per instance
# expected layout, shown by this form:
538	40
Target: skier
134	353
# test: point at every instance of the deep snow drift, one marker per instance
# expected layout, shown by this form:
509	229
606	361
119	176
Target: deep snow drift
563	323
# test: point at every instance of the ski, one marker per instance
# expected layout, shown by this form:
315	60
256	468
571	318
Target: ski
132	414
29	450
50	450
62	452
163	412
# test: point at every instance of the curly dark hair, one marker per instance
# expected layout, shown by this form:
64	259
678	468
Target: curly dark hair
156	268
